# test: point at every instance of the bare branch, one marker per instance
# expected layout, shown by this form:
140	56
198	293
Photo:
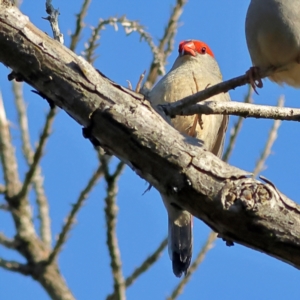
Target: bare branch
166	44
144	267
246	110
7	154
200	257
236	129
71	217
79	24
7	242
129	27
147	263
111	222
15	266
268	146
53	19
42	202
38	153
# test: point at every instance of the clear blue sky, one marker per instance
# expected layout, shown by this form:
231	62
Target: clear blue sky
227	273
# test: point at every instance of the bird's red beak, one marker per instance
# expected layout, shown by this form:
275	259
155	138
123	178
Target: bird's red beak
187	47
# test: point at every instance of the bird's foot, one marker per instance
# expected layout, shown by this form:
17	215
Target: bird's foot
253	73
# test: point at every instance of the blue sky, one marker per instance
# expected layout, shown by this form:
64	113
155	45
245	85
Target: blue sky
226	273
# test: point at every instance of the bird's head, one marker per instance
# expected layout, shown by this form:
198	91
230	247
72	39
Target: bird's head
194	48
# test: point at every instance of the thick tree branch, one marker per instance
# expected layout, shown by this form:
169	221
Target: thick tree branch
239	208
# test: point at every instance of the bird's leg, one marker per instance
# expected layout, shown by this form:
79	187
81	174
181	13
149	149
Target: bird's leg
192	131
252	73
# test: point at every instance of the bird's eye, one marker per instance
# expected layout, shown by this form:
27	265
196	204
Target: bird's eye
203	50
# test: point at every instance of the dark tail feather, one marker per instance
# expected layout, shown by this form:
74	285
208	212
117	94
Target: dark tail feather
180	245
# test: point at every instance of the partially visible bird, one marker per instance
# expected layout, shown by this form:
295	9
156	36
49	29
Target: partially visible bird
273	38
194	70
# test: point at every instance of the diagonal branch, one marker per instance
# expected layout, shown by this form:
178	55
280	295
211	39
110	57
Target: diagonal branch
15	267
38	153
79	24
111	209
41	199
71	217
7	242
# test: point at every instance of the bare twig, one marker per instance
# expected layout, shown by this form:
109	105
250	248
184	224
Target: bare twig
246	110
53	19
41	199
7	242
79	24
268	146
166	44
147	263
15	266
129	27
71	217
7	155
38	153
205	248
236	128
111	220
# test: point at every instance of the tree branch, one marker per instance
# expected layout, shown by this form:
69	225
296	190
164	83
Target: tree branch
246	110
41	199
238	207
15	266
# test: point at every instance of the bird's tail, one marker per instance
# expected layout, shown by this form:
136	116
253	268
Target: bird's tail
180	241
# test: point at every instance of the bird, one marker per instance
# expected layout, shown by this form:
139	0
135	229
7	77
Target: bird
272	30
194	70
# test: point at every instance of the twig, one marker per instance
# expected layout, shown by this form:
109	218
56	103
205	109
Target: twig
111	220
7	155
6	242
246	110
79	24
182	106
71	217
166	44
145	265
53	19
236	129
129	27
268	146
38	153
205	248
41	199
15	266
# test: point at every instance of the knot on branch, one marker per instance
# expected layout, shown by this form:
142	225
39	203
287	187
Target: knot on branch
246	196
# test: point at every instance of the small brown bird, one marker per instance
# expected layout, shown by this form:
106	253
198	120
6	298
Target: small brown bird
194	70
